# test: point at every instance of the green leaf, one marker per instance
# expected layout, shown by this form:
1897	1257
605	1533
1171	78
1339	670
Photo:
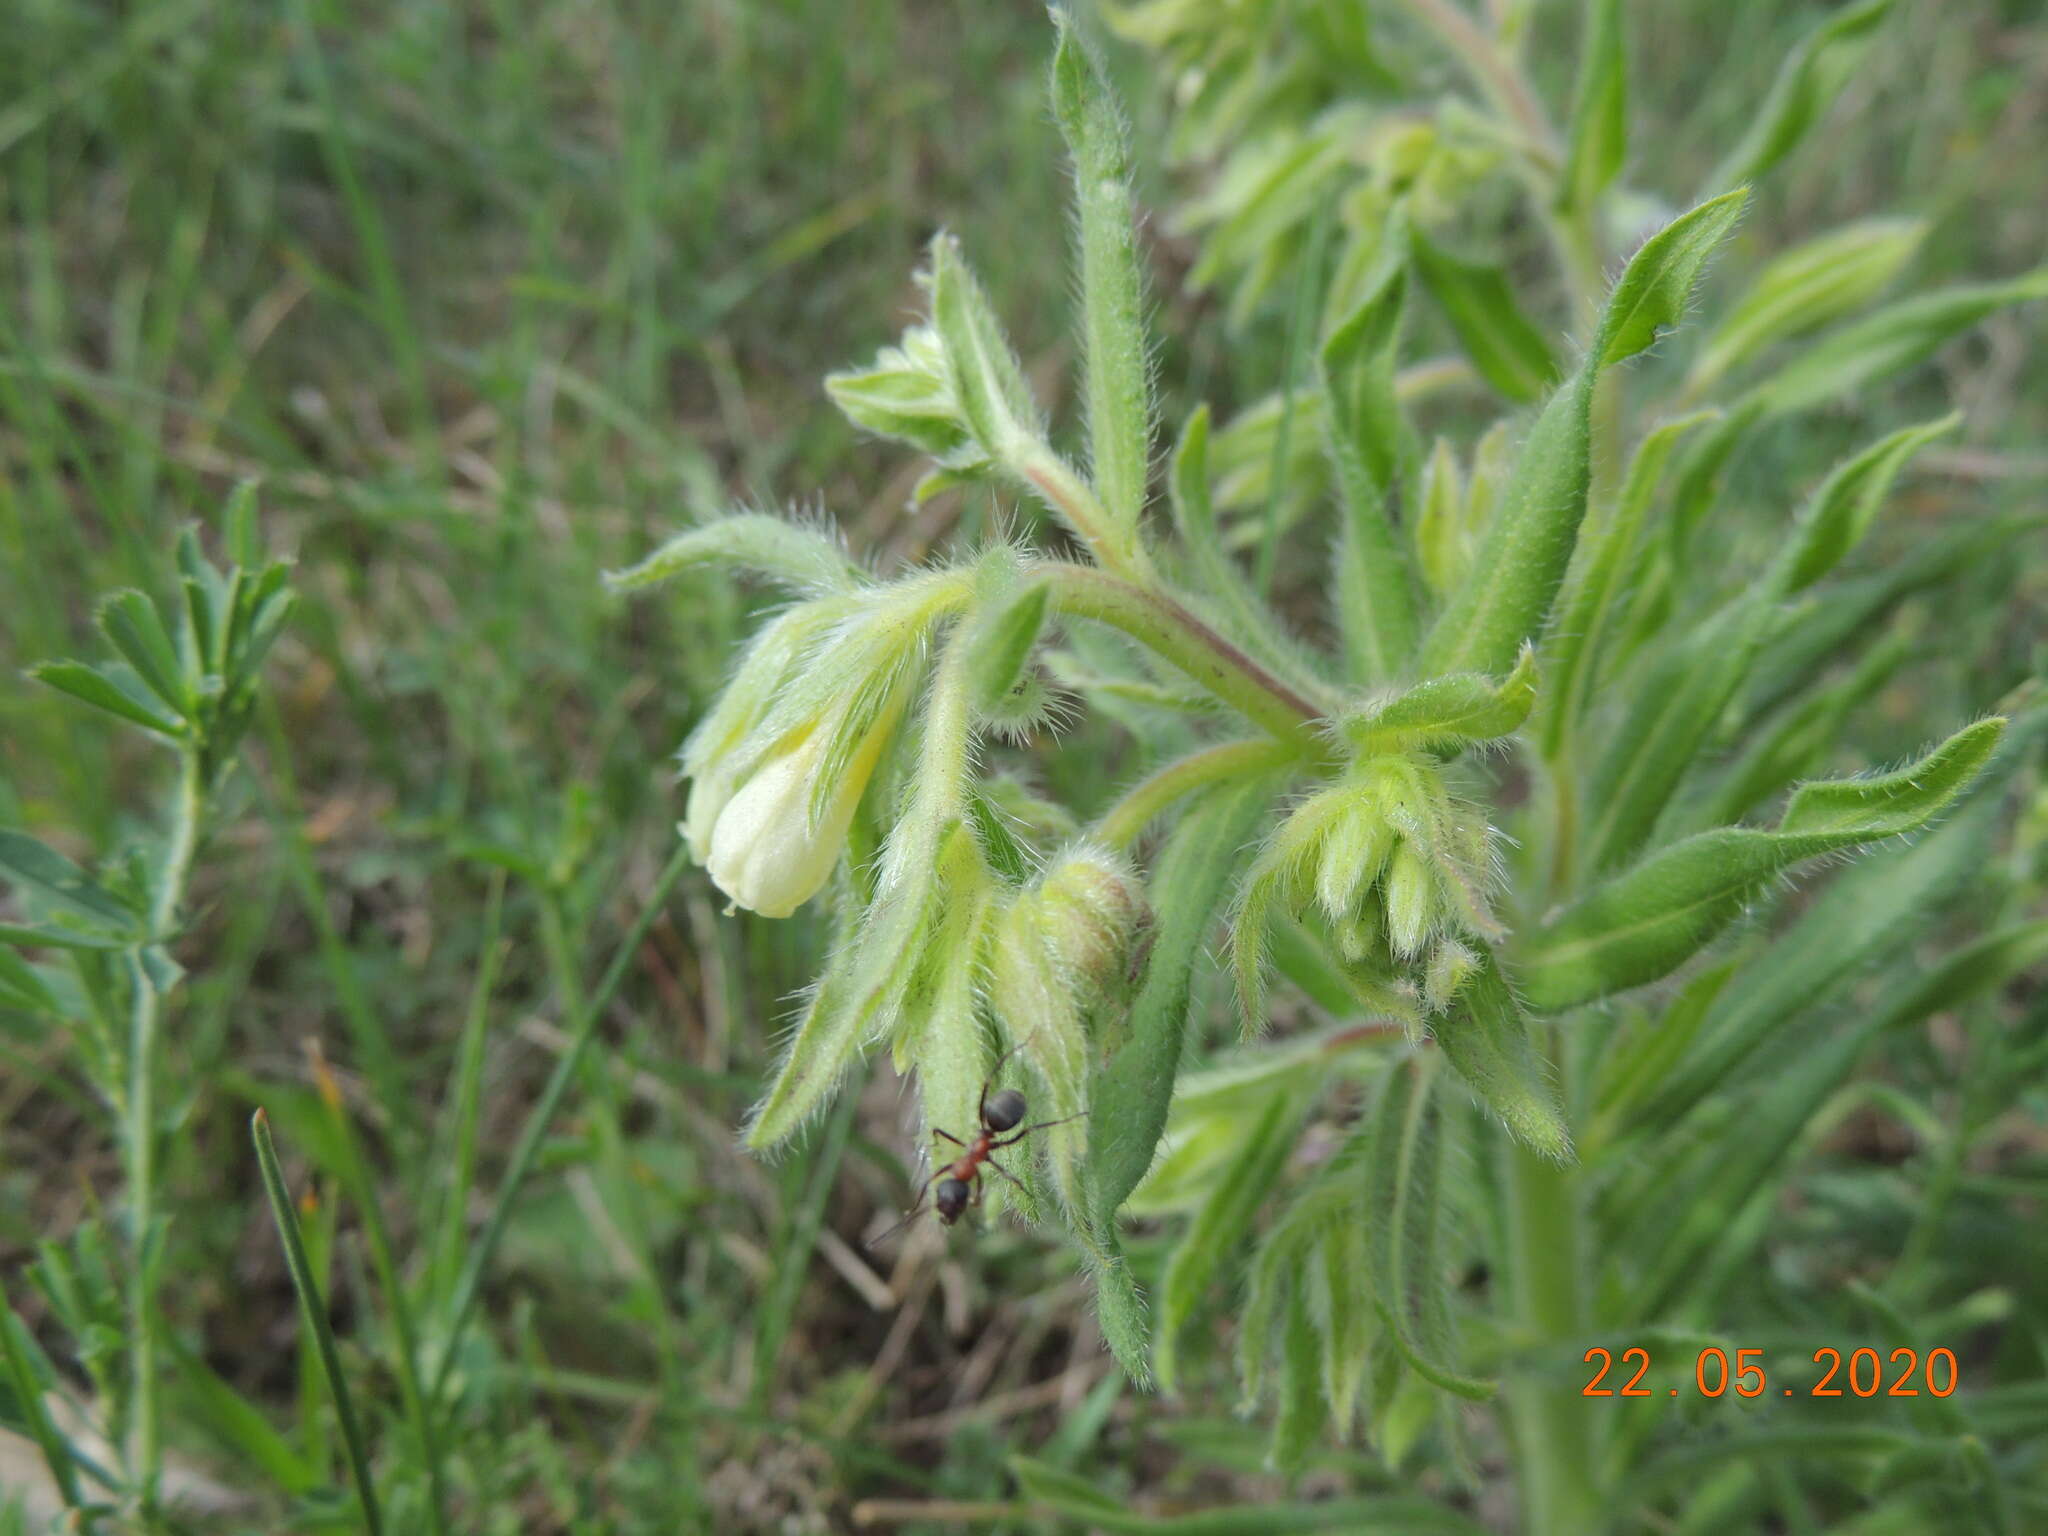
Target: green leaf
1246	618
1808	81
1509	351
1608	552
1373	452
1847	502
1001	635
1657	284
1447	712
984	374
1118	370
1890	339
804	558
39	868
905	394
136	630
1215	1237
119	695
22	986
1598	141
1648	921
1404	1178
1811	285
1506	597
1485	1037
1189	885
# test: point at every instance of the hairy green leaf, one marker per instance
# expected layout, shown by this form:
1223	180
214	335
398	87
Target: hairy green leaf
1189	884
1446	712
39	869
1847	502
1646	922
1485	1037
119	693
1373	451
1506	597
804	558
1118	370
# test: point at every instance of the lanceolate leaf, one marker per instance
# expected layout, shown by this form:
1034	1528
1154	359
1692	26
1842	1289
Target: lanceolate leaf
1648	921
1213	1239
1506	597
1373	451
1509	351
805	559
1607	554
38	868
1119	381
1895	337
1846	504
1599	127
1486	1038
1190	885
1811	76
1804	288
118	692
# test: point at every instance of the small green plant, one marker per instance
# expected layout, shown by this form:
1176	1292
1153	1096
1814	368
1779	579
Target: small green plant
183	674
1491	833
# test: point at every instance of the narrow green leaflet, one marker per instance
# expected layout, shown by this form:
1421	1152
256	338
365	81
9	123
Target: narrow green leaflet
1505	599
1118	371
1505	346
135	629
1598	142
114	688
39	869
1648	921
1800	290
1658	282
1808	81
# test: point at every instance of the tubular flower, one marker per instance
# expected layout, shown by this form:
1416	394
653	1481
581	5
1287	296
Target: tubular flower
772	844
778	767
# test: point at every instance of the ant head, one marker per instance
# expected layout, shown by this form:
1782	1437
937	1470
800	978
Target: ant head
951	1199
1004	1110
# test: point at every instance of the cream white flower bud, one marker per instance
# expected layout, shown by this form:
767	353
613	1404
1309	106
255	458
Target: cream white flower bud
764	847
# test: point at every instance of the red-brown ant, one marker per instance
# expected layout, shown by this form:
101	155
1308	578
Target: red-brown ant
959	1183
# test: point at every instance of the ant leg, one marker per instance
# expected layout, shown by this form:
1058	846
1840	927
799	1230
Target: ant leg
908	1216
1041	1126
999	1168
949	1136
997	1071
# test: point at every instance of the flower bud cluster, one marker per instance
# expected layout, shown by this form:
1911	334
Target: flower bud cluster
1397	868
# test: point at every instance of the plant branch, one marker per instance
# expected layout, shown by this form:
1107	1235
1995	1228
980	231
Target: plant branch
1122	823
149	977
1160	621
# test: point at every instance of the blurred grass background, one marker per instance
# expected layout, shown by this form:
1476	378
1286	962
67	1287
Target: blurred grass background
490	296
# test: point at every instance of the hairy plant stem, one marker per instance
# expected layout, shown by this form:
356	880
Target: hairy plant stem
1158	620
1551	1429
147	964
1124	821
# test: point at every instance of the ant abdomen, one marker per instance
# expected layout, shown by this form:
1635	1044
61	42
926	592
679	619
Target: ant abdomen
1004	1111
951	1199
